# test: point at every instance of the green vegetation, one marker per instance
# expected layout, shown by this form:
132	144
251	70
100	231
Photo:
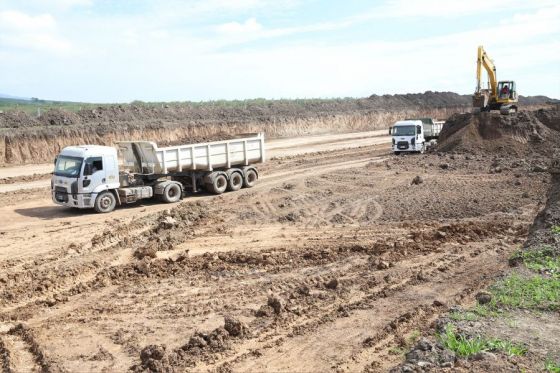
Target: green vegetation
31	106
474	314
552	366
413	337
556	229
542	260
397	351
527	292
466	346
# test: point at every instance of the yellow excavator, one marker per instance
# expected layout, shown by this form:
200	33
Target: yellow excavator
499	95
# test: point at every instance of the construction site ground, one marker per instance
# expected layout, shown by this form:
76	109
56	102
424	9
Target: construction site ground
339	253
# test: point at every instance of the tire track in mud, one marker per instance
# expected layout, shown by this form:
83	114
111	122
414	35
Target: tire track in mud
367	302
20	352
326	312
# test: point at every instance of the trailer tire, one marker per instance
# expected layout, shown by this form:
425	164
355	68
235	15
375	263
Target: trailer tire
219	184
250	178
235	182
171	193
105	202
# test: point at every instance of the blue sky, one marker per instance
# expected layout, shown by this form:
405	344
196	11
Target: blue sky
171	50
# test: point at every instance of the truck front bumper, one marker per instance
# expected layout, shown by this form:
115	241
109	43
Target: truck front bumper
81	201
407	147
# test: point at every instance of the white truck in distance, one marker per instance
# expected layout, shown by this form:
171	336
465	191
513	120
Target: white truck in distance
414	135
102	177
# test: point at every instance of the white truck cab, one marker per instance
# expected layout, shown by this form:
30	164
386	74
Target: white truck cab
81	173
414	135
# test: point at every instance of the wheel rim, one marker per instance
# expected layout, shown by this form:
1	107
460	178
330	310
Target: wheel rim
237	180
221	182
105	202
172	192
251	177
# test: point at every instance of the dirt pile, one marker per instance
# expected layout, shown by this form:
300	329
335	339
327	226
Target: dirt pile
545	231
156	358
523	133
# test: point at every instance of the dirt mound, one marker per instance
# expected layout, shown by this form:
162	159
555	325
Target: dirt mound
545	232
59	117
523	133
157	358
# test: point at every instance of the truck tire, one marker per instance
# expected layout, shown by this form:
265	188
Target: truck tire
219	184
105	202
171	193
397	153
235	182
250	179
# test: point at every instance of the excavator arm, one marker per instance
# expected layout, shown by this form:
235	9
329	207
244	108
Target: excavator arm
485	61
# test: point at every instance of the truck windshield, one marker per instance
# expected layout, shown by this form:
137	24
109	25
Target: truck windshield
68	166
404	131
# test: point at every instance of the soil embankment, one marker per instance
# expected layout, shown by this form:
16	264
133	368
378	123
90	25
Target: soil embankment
29	139
26	139
523	133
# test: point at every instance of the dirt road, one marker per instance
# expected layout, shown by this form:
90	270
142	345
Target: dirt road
330	263
38	175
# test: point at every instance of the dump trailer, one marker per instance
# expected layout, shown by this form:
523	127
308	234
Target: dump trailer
415	135
103	177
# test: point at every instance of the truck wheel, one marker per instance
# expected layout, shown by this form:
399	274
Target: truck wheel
171	194
105	202
250	179
397	153
235	182
219	185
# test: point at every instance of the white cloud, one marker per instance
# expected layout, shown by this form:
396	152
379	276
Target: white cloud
15	20
450	8
248	27
21	30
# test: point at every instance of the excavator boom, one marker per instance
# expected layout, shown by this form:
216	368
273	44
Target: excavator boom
485	61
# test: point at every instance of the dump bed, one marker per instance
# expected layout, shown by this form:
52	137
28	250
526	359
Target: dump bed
432	128
146	157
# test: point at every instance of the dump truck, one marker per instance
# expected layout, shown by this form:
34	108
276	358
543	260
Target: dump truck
103	177
414	135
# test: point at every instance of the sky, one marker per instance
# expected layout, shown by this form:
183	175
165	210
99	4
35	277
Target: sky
172	50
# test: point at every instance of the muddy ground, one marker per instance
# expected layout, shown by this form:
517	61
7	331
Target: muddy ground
330	263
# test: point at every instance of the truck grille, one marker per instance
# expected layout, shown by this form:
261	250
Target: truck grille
60	194
402	145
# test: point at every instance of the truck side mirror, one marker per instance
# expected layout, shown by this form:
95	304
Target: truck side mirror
55	159
87	169
390	130
418	130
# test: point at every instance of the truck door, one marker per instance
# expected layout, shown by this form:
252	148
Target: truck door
111	171
93	174
419	134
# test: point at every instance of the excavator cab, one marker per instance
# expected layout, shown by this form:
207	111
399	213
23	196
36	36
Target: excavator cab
506	91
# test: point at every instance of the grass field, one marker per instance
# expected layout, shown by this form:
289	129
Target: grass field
35	107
